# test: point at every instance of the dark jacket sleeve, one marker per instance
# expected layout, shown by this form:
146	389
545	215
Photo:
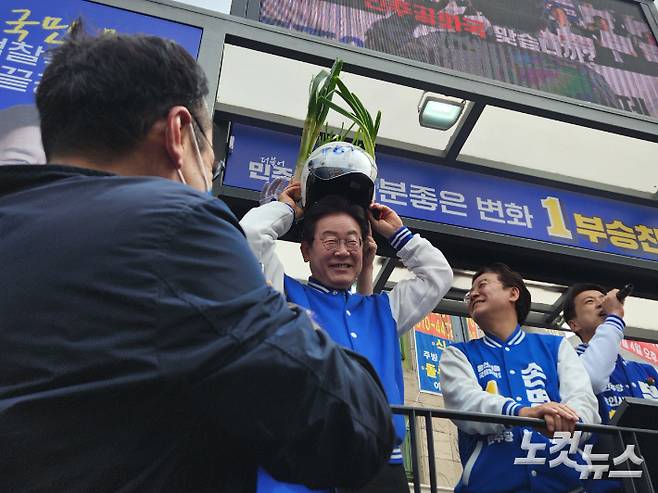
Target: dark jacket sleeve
304	409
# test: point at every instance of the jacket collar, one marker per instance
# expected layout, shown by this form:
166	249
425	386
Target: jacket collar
318	286
515	338
14	178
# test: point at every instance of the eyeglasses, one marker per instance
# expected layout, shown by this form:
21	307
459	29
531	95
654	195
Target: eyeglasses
218	164
332	244
483	283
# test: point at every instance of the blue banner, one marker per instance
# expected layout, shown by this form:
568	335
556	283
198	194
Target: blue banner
428	353
29	28
447	195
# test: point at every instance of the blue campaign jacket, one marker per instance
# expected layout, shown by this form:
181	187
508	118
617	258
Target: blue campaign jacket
628	379
143	351
363	324
523	371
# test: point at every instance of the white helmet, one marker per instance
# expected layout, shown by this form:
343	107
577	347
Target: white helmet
339	168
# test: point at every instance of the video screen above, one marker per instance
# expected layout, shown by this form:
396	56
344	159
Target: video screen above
599	51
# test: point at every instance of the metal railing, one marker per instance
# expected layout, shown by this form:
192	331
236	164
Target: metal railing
623	435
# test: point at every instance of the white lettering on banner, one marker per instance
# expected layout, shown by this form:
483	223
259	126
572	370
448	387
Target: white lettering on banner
3	43
391	192
519	214
24	53
423	197
15	79
269	167
451	202
505	213
489	206
641	349
259	171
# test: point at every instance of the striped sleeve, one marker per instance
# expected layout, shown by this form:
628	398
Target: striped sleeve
599	356
400	238
616	322
511	408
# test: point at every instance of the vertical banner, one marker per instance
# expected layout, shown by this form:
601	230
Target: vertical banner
432	335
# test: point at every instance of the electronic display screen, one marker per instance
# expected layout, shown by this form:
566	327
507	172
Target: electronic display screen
599	51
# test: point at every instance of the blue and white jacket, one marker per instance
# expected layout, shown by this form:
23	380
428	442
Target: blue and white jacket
615	376
369	325
489	375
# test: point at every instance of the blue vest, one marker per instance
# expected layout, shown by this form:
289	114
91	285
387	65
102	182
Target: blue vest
363	324
628	379
524	368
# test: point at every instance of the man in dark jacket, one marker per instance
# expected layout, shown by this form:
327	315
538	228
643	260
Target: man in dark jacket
141	347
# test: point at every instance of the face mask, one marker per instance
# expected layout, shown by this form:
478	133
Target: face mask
197	150
199	161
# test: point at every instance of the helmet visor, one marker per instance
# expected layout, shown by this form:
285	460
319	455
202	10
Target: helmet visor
336	161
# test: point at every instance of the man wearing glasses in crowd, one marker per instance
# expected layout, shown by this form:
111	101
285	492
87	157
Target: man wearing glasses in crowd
142	349
336	242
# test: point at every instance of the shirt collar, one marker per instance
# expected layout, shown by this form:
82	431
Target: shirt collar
515	338
317	285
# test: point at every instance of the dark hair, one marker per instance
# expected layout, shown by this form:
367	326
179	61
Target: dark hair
18	116
101	95
332	204
510	279
569	306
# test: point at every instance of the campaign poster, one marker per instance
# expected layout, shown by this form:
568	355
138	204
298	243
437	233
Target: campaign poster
29	31
432	336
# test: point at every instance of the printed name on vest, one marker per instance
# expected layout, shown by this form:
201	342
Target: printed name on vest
534	379
648	391
487	368
615	387
613	400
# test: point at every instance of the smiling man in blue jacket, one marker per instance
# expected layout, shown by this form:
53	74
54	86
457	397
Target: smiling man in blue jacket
141	347
512	373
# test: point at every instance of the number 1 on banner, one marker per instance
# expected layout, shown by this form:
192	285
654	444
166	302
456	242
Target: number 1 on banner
557	225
